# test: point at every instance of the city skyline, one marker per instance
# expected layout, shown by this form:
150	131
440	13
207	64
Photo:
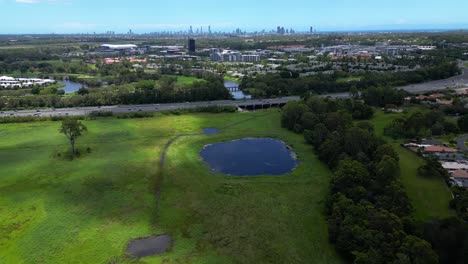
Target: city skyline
85	16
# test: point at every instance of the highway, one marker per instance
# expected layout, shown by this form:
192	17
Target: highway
459	80
453	82
120	109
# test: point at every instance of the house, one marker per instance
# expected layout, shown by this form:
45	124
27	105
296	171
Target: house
450	156
460	177
437	149
444	102
454	166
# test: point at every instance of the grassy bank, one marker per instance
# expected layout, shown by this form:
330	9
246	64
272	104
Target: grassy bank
86	211
430	197
185	79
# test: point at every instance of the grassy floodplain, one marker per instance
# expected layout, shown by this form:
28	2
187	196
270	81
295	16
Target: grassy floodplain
430	197
185	79
53	210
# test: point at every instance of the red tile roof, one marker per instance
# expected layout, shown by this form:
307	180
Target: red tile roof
439	149
460	174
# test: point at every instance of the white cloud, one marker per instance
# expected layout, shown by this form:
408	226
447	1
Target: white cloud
27	1
42	1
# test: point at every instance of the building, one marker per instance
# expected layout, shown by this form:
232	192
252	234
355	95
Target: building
439	149
251	58
112	47
191	45
454	166
460	177
10	82
427	47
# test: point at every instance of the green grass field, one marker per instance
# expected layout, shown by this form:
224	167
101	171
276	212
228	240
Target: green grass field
430	197
53	210
348	79
229	78
185	79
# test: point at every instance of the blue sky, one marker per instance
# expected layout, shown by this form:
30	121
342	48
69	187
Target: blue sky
75	16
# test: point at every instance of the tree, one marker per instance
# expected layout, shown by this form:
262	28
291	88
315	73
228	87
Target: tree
463	123
418	250
72	128
292	115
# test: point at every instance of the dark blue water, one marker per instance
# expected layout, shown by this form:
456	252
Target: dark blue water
250	157
71	87
210	131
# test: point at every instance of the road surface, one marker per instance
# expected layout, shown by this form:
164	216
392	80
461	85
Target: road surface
120	109
461	143
461	79
456	81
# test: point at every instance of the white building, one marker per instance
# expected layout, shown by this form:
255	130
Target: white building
118	47
427	47
10	82
251	58
454	166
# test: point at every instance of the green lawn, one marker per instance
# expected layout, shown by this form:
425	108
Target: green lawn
185	79
430	197
229	78
348	79
53	210
466	64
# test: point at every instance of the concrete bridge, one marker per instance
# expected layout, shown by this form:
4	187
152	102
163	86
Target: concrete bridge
234	88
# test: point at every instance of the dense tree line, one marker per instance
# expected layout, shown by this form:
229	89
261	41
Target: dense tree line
449	238
368	212
32	54
460	202
419	124
166	90
289	83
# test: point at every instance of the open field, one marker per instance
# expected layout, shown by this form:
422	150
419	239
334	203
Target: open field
430	197
185	79
348	79
53	210
229	78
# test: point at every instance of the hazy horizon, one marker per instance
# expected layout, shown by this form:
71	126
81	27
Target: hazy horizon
144	16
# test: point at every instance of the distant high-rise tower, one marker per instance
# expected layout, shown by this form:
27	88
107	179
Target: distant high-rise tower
191	30
209	29
311	30
191	45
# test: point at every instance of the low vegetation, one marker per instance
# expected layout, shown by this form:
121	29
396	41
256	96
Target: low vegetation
59	211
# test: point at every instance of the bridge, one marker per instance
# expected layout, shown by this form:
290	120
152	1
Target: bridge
233	88
121	109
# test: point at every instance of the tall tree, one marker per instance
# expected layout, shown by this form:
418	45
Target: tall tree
72	128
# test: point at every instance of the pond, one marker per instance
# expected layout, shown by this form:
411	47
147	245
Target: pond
239	94
71	87
250	157
210	131
150	246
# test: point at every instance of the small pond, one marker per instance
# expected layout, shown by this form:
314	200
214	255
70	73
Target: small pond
150	246
250	157
71	87
210	131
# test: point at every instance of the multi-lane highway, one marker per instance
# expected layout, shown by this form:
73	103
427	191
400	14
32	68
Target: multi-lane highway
119	109
453	82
